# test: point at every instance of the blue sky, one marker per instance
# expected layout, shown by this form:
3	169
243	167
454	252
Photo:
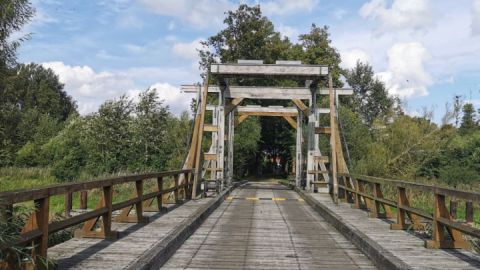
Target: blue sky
425	51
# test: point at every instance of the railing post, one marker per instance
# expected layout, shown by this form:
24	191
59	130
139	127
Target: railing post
41	245
68	204
356	196
401	213
469	212
83	199
188	188
139	204
107	217
175	191
440	211
375	211
453	208
160	196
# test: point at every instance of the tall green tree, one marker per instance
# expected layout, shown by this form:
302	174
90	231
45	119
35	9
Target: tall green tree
371	99
31	94
14	14
316	49
469	122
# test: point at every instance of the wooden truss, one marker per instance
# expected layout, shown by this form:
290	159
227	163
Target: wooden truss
217	164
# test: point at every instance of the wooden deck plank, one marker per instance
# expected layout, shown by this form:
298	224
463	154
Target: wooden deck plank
266	234
404	245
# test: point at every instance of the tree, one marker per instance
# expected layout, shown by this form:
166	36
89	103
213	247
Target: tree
14	14
317	50
371	99
109	136
468	119
31	93
149	132
247	35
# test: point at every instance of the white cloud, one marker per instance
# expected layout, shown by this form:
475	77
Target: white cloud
406	76
476	17
287	31
173	97
134	48
350	58
90	89
283	7
187	50
403	14
198	14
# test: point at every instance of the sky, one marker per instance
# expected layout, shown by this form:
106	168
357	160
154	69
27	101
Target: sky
425	51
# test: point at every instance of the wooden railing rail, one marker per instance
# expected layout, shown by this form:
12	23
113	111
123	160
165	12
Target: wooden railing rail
354	190
38	227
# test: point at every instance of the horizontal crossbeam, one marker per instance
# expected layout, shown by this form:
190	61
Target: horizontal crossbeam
265	70
260	92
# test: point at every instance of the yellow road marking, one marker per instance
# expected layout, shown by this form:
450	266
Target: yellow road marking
230	198
278	199
252	198
301	200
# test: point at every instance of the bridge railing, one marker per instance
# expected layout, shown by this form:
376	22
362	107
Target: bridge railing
368	193
97	222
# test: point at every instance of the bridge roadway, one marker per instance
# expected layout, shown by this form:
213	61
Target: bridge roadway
266	226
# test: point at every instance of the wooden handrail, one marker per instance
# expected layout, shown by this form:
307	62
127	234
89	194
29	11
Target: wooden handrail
38	227
353	186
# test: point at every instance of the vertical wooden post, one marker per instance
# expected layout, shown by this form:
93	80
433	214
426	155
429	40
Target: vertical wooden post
107	217
175	192
453	208
41	245
160	196
312	139
401	200
469	212
198	151
298	150
375	211
139	204
83	199
357	197
333	145
68	204
438	231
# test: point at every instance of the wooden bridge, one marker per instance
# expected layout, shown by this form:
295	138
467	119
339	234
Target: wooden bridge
200	218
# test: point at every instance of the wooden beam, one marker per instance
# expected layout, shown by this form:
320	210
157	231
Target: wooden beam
278	114
240	119
261	70
264	92
208	156
301	106
291	121
198	150
323	130
233	104
210	128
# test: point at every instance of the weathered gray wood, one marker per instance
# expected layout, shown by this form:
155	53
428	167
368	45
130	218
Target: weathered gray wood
264	92
278	70
406	247
298	150
266	234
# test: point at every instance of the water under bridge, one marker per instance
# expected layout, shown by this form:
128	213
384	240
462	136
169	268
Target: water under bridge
200	218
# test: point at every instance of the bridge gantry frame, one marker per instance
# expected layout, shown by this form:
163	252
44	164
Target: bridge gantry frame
217	163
